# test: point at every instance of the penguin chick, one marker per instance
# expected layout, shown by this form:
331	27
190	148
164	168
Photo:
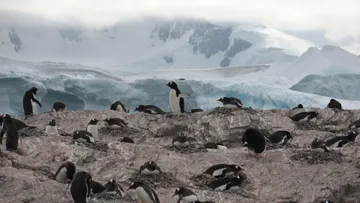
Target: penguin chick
222	170
127	140
334	104
254	140
65	172
144	192
51	128
118	106
340	141
185	195
213	145
150	167
226	183
300	106
230	102
304	115
82	135
58	107
115	122
281	137
181	141
319	144
195	110
113	186
150	109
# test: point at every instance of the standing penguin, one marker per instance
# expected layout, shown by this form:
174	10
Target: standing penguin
281	137
254	140
93	129
230	102
185	195
333	104
51	128
144	193
29	102
176	98
65	172
11	132
80	187
118	106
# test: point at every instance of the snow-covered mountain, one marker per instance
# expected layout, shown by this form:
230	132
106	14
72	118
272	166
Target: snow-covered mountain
150	43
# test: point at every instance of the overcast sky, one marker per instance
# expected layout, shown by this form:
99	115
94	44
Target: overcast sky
340	18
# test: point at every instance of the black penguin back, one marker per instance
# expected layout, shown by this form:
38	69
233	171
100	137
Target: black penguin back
278	136
334	104
254	140
80	187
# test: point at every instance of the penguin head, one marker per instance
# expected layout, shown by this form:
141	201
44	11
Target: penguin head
172	85
300	106
352	136
52	122
135	185
221	99
332	100
34	90
76	132
236	167
139	108
93	121
6	117
178	191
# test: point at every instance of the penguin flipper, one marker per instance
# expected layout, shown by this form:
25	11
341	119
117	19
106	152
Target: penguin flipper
183	95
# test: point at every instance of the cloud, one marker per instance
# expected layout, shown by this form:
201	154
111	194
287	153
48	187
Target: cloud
339	18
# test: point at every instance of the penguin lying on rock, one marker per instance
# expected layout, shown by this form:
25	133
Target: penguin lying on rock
127	140
305	115
144	192
212	145
83	136
110	186
281	137
150	167
112	122
334	104
230	102
226	183
150	109
319	144
340	141
182	141
185	195
222	170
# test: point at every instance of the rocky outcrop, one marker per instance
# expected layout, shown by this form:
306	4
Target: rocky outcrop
292	173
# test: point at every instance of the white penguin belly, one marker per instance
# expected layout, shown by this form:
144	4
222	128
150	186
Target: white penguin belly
51	130
34	107
230	106
179	144
174	102
218	172
62	175
221	187
119	108
93	129
143	195
188	199
147	172
335	144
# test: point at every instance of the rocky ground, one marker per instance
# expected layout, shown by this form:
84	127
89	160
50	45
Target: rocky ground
293	173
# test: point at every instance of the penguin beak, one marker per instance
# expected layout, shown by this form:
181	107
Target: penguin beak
166	84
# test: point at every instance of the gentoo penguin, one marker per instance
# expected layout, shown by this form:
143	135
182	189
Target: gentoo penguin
80	187
127	139
304	115
185	195
254	140
355	124
19	124
150	167
93	129
115	122
300	106
51	128
222	170
29	101
226	183
65	172
118	106
110	186
319	144
212	145
340	141
230	102
150	109
144	192
181	141
333	104
176	98
195	110
197	201
281	137
11	133
83	135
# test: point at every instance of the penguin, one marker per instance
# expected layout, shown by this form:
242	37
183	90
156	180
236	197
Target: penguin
93	129
333	104
51	128
300	106
304	115
83	136
230	102
113	186
11	133
150	109
195	110
29	102
58	107
150	167
118	106
340	141
254	140
226	183
176	98
222	170
181	141
355	124
212	145
197	201
19	124
80	187
97	187
144	192
319	144
185	195
65	172
127	140
281	137
115	122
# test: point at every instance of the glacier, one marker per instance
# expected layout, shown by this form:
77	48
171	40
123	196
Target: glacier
82	87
